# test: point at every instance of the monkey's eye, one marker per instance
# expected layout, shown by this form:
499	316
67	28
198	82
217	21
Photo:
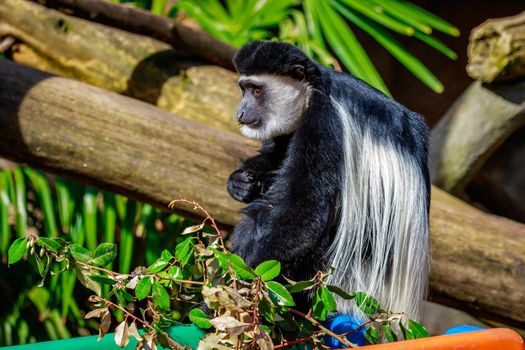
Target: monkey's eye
257	91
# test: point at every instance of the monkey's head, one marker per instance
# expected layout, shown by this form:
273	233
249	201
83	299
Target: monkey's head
275	81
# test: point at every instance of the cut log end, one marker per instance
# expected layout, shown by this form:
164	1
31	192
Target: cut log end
496	51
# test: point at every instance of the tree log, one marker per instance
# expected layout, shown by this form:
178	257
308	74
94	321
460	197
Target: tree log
115	142
178	35
496	49
125	145
119	61
472	129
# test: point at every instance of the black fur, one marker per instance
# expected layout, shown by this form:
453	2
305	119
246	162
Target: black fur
292	185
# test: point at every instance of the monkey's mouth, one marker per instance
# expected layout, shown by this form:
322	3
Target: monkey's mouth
250	123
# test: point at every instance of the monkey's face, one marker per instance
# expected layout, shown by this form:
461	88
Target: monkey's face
271	105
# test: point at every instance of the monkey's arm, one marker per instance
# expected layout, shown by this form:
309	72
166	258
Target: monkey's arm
254	175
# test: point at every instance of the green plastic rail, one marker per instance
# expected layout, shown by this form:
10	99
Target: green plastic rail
185	335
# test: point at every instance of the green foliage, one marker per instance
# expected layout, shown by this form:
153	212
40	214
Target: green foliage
59	211
326	26
249	307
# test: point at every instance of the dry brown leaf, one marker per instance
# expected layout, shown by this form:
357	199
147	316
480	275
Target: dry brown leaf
122	334
105	323
263	339
133	331
96	313
230	325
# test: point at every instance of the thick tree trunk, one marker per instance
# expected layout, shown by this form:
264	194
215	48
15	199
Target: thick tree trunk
497	49
119	61
122	144
472	129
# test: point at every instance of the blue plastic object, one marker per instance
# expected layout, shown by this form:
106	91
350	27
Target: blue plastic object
343	324
463	329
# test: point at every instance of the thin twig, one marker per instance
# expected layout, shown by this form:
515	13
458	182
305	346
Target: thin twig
208	217
316	323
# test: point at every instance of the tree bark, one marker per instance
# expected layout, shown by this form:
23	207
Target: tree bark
180	36
119	61
125	145
472	130
496	49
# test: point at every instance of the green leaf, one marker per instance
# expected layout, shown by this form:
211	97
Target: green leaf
200	319
436	44
50	244
158	265
428	18
166	255
37	263
280	294
398	12
389	335
319	308
366	303
104	254
17	250
143	288
340	292
83	274
406	332
5	230
394	47
80	253
328	299
268	270
89	213
175	273
348	49
65	203
236	263
267	309
20	203
43	190
109	218
184	251
372	336
161	297
300	286
125	295
379	17
127	236
417	330
102	279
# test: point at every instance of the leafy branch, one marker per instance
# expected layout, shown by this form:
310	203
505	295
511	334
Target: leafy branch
201	282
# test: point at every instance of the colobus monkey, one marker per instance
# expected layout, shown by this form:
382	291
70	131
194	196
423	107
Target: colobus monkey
341	179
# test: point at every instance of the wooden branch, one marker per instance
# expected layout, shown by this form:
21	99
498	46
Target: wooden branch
478	260
121	144
180	36
496	49
472	130
119	61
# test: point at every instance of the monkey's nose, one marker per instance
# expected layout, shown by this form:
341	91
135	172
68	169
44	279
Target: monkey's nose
240	114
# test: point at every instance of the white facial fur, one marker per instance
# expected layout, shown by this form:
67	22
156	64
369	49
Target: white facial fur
285	100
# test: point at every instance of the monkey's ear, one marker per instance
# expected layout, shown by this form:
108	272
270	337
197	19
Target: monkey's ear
297	71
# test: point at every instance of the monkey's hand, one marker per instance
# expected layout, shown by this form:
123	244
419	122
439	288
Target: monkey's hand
243	185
